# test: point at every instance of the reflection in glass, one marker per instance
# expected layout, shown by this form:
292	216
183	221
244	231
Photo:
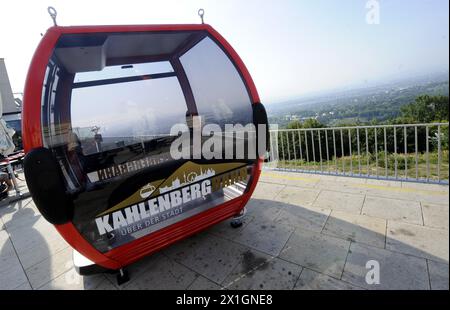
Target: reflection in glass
127	112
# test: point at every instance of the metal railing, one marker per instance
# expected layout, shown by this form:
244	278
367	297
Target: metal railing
405	152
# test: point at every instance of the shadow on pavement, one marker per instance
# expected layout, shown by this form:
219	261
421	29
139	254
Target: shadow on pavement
280	246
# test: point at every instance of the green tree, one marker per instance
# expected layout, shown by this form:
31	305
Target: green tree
426	109
294	125
312	123
309	123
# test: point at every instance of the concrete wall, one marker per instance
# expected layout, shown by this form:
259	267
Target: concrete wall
7	99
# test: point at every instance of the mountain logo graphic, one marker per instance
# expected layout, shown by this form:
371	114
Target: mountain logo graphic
189	178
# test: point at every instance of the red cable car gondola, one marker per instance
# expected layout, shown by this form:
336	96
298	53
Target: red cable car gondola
99	103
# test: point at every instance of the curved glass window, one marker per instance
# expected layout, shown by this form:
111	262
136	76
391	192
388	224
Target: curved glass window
126	113
219	91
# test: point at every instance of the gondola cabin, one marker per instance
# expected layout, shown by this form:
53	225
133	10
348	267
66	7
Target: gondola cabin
109	112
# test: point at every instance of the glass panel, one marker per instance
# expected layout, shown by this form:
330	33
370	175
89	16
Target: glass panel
112	72
219	91
126	113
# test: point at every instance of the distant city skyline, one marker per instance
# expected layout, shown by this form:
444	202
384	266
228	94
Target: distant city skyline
291	48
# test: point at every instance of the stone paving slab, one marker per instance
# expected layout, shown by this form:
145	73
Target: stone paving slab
136	269
71	280
316	251
263	209
355	227
395	184
203	284
15	205
105	285
288	178
339	201
257	271
162	273
37	242
341	186
407	193
31	256
24	287
11	272
418	241
223	229
210	256
297	196
433	198
302	217
393	209
435	215
397	271
422	187
50	268
265	236
267	190
438	275
15	210
312	280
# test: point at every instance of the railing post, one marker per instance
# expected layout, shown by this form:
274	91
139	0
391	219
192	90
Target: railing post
359	153
328	155
367	152
439	154
395	152
350	150
320	151
307	148
416	144
385	154
313	149
335	156
273	150
405	138
282	149
376	150
288	149
342	152
300	144
427	152
295	151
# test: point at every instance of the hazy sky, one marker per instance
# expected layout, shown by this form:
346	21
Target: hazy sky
291	48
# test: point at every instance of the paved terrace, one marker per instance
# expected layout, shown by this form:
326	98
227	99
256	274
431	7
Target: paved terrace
302	232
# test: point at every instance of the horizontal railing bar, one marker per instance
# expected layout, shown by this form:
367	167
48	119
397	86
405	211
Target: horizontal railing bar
388	178
369	126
